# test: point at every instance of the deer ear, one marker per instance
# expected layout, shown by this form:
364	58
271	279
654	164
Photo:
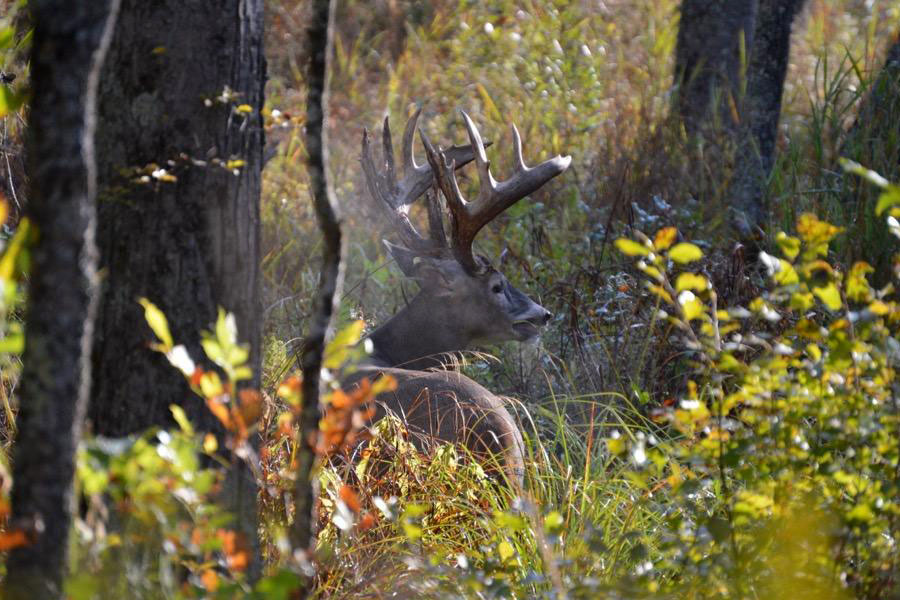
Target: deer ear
439	277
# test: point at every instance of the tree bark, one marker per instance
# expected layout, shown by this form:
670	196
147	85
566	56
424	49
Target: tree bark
181	95
320	45
68	48
708	60
760	113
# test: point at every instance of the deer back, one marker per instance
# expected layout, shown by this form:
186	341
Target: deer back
449	407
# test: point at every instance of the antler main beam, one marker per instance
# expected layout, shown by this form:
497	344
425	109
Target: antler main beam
469	217
396	196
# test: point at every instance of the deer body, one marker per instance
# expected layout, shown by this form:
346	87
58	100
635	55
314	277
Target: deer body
463	301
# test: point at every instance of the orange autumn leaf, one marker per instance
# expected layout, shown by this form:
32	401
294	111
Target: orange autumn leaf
220	411
210	580
195	377
234	545
366	522
13	539
350	498
251	404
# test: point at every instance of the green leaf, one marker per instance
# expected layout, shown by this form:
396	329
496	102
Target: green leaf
6	37
337	352
158	323
889	198
279	586
867	174
226	329
553	522
685	252
12	343
631	248
181	418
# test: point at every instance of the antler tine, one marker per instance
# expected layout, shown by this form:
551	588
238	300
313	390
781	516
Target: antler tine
409	135
385	195
435	218
387	146
467	218
485	179
397	196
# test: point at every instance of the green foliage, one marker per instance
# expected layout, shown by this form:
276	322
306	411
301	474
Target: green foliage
783	469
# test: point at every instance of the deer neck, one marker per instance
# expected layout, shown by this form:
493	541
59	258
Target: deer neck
418	337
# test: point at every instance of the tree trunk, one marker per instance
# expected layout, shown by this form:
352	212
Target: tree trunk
760	112
70	41
708	61
320	46
181	95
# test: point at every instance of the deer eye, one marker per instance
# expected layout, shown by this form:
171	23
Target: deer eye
497	288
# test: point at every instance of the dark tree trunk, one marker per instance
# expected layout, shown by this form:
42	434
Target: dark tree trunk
181	91
760	113
320	45
70	40
708	60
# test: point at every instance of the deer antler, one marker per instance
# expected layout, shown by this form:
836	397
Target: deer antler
468	217
396	196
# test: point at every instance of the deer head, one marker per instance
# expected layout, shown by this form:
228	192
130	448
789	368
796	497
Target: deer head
463	300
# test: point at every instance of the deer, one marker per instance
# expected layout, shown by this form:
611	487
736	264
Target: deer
463	301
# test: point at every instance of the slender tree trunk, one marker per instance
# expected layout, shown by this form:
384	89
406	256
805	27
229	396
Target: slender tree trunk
69	44
708	61
179	156
760	113
320	44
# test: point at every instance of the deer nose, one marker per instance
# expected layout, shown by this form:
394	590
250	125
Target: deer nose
547	316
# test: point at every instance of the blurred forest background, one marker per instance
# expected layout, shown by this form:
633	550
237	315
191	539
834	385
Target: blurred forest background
679	446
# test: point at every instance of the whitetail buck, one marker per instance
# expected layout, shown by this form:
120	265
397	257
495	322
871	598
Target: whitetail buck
463	301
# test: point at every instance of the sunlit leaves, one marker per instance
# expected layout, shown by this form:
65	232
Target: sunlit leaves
340	350
664	238
816	235
789	245
829	295
158	324
631	248
690	281
685	252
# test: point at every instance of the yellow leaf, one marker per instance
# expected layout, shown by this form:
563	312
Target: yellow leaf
244	108
790	246
685	252
693	309
690	281
786	275
631	248
879	308
857	286
210	443
829	295
506	551
158	323
489	105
